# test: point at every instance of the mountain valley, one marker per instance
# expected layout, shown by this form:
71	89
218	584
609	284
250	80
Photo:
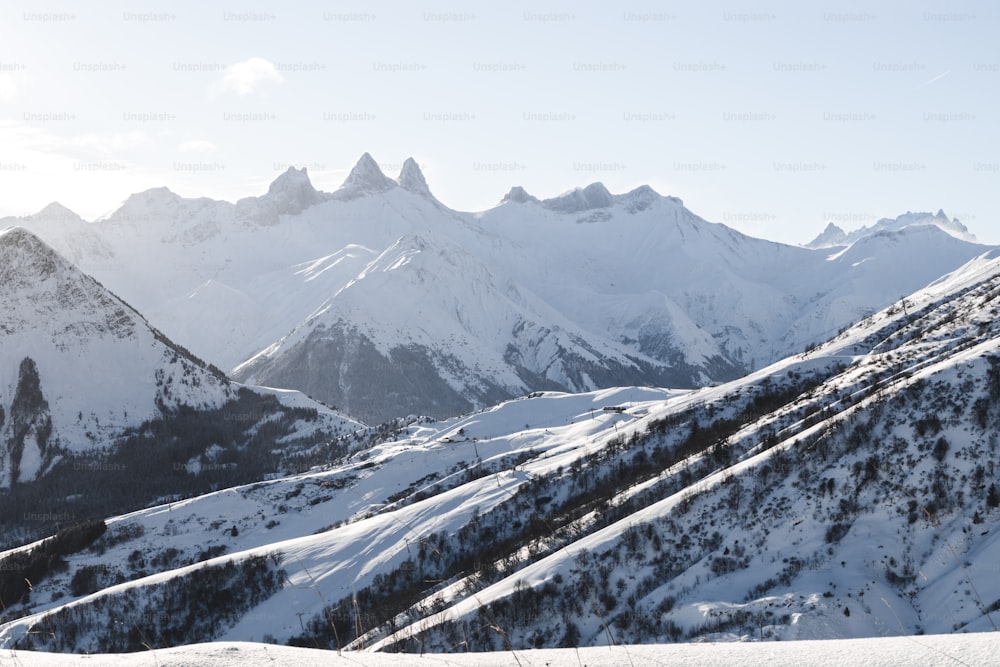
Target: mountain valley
594	419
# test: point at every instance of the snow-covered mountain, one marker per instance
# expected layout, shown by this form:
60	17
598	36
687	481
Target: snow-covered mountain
834	236
848	491
82	374
63	335
379	299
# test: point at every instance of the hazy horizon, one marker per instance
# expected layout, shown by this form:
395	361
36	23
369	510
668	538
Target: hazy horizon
773	118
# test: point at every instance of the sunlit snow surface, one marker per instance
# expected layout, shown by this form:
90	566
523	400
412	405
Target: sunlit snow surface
922	651
338	528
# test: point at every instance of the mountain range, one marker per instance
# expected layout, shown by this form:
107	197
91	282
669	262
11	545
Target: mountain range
382	301
609	422
833	236
845	491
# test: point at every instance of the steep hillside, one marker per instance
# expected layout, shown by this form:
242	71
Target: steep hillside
845	492
92	395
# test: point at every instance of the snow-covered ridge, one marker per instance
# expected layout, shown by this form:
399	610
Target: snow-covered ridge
80	366
843	492
834	236
381	300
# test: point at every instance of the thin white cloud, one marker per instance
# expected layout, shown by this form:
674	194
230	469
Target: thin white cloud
127	140
195	145
249	76
937	78
38	141
107	144
65	167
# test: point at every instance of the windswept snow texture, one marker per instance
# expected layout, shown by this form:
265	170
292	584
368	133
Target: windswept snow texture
380	300
846	492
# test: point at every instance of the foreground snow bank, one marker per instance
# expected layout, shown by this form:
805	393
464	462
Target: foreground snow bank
922	651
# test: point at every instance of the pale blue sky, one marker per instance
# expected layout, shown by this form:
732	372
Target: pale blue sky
772	117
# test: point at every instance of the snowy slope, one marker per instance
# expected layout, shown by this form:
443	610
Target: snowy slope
757	301
845	492
379	299
91	395
797	563
973	650
69	333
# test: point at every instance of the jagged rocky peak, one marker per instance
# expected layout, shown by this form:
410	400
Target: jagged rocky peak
365	178
921	218
909	219
292	181
18	237
951	225
31	426
834	236
643	197
518	195
412	179
293	192
142	207
159	194
36	283
55	212
593	196
645	192
289	194
597	195
24	257
831	236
